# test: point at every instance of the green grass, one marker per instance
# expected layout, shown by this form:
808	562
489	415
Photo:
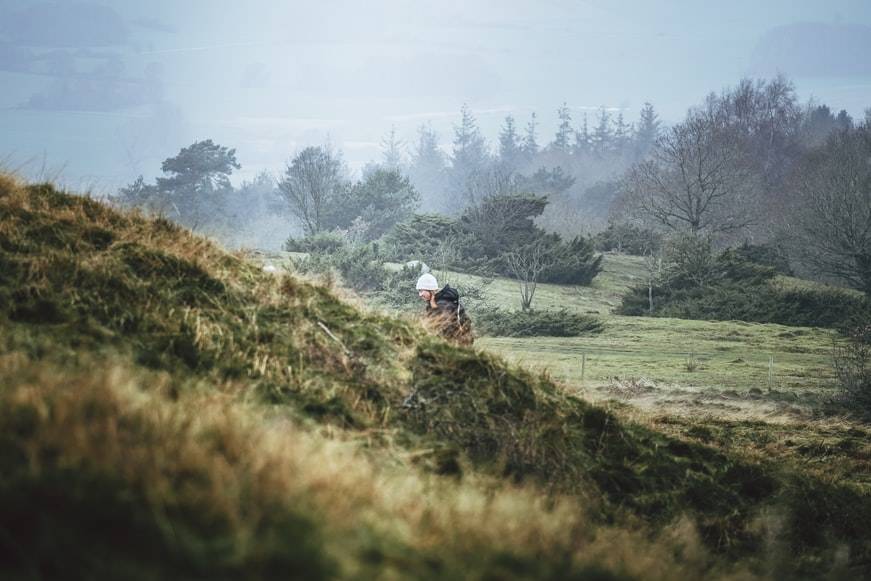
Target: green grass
730	355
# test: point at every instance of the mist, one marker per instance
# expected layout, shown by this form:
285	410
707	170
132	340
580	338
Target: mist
97	93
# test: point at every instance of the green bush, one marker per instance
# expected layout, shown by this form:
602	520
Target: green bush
771	255
417	237
480	240
503	323
575	263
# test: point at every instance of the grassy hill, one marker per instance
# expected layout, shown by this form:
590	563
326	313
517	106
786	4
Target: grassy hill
168	410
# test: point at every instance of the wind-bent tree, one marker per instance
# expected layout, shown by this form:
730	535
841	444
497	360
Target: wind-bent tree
197	181
696	180
310	183
834	216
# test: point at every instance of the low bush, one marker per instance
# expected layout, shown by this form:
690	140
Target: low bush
503	323
765	302
320	243
575	262
729	287
415	238
771	255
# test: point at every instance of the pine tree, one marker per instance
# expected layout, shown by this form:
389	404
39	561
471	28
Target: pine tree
509	145
470	156
391	148
648	130
582	139
622	134
564	131
427	169
602	135
530	140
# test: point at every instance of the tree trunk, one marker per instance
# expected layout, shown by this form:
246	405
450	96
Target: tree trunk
650	296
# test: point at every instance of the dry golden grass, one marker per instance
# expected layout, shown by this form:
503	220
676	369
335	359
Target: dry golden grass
239	467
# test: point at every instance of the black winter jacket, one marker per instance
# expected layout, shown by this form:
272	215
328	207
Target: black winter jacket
450	317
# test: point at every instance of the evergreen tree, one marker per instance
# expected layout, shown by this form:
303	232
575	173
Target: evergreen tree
602	135
427	170
530	140
582	138
197	181
622	134
391	148
843	121
469	156
647	132
379	201
564	131
509	146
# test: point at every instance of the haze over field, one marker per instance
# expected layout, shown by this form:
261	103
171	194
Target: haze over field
100	92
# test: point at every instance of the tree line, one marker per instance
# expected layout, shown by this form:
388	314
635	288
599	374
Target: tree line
751	163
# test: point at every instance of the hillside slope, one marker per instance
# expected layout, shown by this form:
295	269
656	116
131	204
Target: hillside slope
170	410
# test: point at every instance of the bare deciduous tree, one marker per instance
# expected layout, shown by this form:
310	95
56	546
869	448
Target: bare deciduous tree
527	263
309	183
834	217
696	180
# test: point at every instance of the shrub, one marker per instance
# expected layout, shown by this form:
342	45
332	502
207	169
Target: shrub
730	288
481	239
320	243
770	255
503	323
575	262
415	238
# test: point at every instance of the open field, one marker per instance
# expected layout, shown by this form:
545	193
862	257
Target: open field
684	366
703	357
693	354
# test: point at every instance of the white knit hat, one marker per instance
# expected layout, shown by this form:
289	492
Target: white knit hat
427	282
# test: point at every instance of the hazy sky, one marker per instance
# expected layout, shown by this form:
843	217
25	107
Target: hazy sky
102	91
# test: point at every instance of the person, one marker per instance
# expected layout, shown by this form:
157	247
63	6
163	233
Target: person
444	310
